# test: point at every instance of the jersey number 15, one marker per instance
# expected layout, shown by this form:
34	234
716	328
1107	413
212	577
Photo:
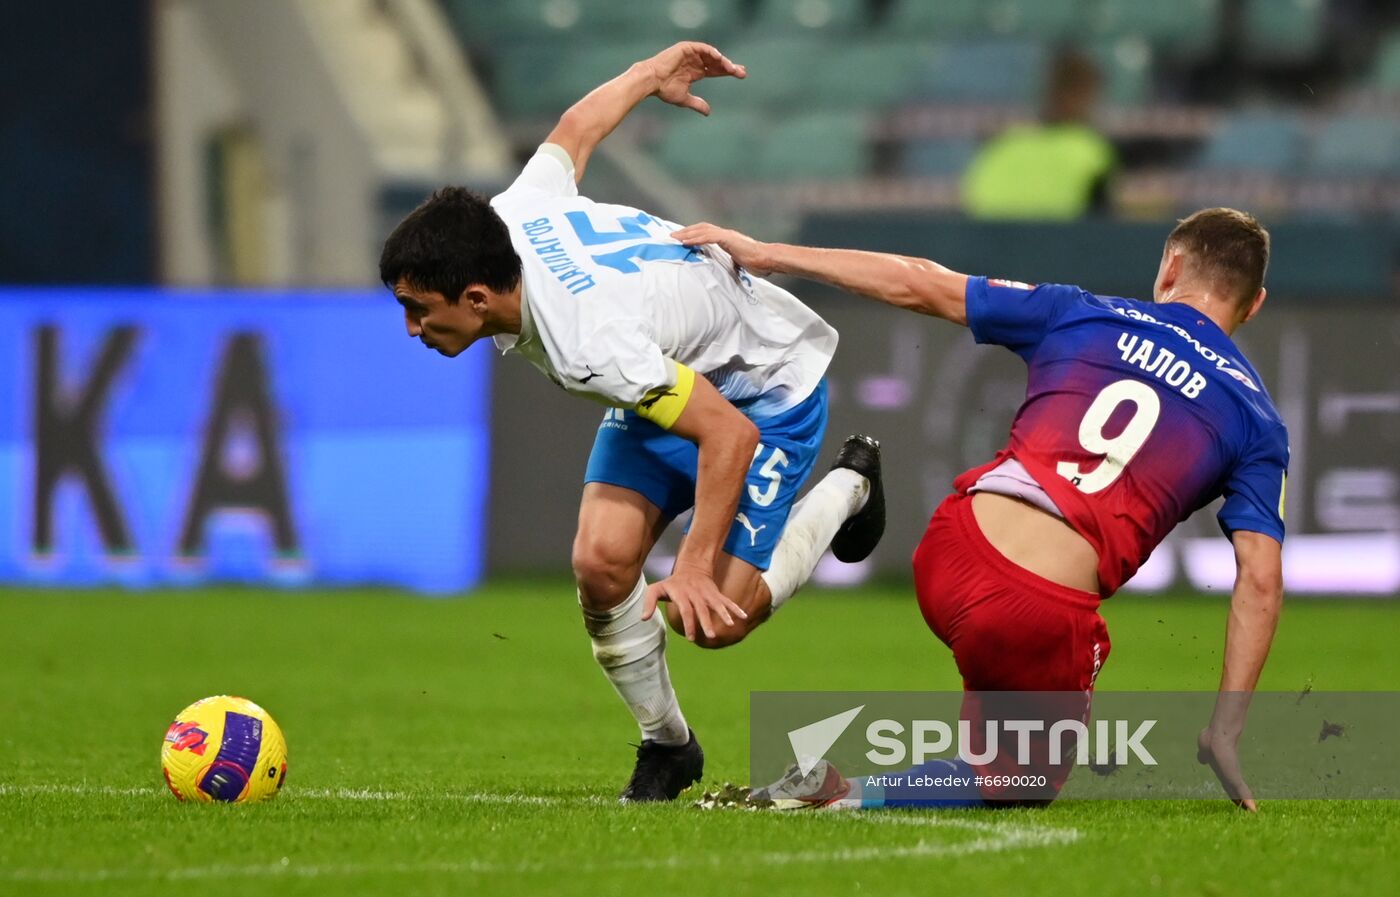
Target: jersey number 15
633	229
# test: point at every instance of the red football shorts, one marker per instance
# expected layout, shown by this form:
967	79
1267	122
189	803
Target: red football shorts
1010	631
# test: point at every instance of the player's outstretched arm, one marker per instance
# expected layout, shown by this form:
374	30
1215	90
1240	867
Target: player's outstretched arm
667	75
726	440
1254	612
899	280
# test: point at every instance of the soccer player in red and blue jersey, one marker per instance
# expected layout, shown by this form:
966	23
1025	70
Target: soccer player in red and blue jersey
1136	415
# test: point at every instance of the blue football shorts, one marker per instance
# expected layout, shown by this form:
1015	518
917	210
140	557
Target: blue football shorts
636	454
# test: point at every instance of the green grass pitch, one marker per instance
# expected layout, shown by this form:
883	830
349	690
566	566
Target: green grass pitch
471	746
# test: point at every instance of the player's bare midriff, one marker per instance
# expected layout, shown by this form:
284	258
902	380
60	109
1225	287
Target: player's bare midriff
1036	541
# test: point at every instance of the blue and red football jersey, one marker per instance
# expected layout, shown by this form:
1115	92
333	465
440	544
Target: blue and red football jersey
1136	415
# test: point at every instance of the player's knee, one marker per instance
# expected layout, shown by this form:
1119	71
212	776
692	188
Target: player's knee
726	634
605	576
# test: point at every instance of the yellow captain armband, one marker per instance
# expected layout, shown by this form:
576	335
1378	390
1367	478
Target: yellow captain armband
663	405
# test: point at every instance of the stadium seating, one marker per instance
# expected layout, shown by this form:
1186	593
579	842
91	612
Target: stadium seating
545	77
482	24
720	147
529	81
846	89
948	157
814	146
592	64
780	68
816	15
1357	144
994	71
1387	72
1185	29
1283	32
1266	141
1126	66
919	19
866	74
1050	20
660	21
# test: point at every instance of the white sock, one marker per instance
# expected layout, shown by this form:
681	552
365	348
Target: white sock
632	653
810	529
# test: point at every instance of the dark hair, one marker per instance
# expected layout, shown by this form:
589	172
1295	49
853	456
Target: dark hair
1072	86
1227	247
453	240
1071	70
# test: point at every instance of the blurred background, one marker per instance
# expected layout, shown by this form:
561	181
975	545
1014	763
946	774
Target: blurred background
203	381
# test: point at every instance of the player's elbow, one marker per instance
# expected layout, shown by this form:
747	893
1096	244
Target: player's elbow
573	121
729	428
739	444
572	133
728	439
746	437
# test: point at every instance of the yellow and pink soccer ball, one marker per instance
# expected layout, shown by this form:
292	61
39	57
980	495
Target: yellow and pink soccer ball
224	749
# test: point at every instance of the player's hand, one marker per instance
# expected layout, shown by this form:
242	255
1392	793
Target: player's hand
679	66
699	600
746	252
1217	750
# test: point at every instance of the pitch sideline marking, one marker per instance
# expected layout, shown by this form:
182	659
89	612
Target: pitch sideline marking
995	838
362	794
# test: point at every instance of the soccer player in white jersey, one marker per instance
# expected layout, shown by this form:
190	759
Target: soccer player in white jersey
715	382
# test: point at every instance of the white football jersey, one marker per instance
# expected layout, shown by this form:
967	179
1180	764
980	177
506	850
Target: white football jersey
608	297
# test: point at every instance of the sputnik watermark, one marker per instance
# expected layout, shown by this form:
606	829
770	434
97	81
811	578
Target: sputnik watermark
1118	741
1297	745
929	738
